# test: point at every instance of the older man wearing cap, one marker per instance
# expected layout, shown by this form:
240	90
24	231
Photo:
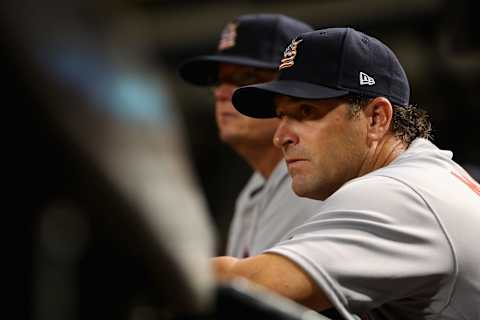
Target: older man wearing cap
249	51
397	235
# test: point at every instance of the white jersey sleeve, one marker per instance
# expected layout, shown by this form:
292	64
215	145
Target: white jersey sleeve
382	252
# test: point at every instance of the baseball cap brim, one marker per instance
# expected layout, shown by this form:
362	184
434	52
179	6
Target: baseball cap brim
257	101
203	70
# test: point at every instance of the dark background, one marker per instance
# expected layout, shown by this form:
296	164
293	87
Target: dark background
436	41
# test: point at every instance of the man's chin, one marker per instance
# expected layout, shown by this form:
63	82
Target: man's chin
304	191
299	189
230	138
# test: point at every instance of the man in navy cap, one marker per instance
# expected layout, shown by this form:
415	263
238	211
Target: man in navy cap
396	235
249	51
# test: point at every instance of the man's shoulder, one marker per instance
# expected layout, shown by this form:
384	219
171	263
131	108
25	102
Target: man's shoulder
372	192
255	181
421	164
250	190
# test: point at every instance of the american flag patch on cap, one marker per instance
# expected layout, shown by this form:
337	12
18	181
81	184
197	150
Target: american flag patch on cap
227	38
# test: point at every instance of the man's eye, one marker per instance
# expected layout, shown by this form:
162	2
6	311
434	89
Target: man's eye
306	110
245	79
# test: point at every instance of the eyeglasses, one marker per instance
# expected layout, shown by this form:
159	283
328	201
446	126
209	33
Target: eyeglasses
240	79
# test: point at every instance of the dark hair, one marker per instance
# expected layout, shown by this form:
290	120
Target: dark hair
408	122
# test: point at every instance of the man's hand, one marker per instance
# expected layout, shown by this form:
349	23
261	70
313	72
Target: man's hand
222	267
276	273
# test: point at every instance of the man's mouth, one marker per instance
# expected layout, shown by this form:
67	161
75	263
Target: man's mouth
228	115
294	161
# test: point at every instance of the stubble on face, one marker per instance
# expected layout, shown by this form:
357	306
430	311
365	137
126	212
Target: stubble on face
327	151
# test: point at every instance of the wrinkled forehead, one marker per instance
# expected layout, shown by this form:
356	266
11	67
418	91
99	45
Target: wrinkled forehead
281	100
284	103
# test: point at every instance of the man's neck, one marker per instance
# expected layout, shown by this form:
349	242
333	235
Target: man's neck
264	160
382	153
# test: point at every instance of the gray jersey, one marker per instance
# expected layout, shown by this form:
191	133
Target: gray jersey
265	212
398	243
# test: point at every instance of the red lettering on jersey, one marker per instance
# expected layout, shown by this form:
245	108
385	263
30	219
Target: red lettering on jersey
465	178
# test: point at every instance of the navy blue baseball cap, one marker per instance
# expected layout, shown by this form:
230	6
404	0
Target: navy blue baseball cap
329	63
255	40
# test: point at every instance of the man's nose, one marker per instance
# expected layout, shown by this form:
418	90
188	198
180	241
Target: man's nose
223	92
284	135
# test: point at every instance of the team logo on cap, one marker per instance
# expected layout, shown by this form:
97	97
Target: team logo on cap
289	54
365	79
228	36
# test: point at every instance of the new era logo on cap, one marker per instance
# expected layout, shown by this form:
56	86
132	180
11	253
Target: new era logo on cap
365	79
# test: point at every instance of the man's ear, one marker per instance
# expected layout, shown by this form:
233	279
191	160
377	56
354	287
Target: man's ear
379	113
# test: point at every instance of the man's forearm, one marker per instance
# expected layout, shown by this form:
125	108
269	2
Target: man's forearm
275	273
